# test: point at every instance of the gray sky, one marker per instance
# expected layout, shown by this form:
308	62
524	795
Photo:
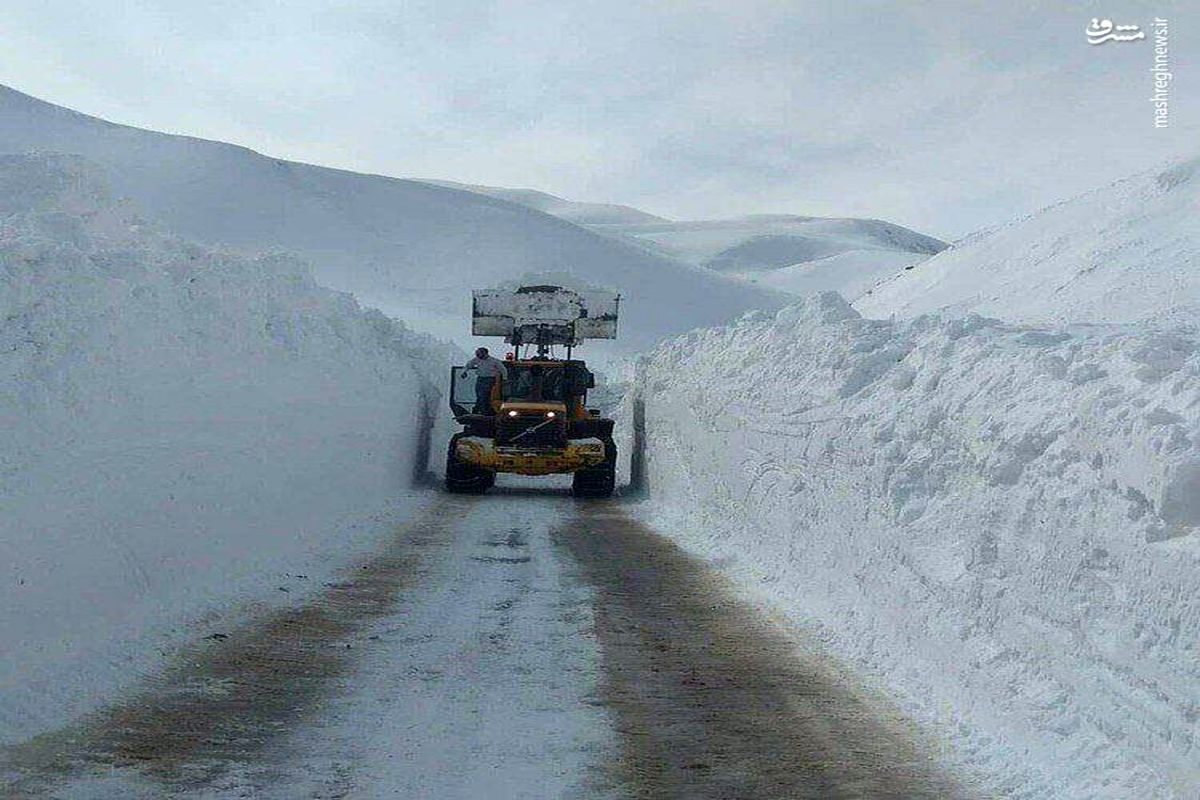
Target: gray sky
942	116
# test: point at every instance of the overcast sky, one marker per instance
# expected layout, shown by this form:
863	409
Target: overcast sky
944	116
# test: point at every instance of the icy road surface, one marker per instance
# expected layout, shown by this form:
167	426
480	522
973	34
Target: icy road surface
515	645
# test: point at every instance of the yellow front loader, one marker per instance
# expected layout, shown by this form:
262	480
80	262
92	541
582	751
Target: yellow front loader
537	422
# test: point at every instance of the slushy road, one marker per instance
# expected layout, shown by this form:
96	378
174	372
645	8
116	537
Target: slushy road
520	644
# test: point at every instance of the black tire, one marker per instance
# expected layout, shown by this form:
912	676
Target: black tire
600	480
464	478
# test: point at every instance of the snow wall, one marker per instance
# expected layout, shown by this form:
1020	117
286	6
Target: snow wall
1002	524
180	429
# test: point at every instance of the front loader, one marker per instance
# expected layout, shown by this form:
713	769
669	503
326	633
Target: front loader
538	422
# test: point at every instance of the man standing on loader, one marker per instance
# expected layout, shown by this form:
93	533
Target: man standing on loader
488	371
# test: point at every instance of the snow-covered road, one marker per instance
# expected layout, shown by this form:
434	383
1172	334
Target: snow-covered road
514	645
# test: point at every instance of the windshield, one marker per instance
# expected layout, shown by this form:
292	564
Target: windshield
534	382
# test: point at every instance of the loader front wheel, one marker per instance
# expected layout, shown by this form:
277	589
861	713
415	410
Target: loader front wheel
600	480
465	478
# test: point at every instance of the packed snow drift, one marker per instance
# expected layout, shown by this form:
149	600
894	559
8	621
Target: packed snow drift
1122	253
1002	523
179	429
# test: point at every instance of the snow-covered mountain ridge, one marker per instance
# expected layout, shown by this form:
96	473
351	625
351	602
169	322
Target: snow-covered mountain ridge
1122	253
571	210
407	247
790	253
764	242
1000	522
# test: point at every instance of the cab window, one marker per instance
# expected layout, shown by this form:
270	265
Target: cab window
534	382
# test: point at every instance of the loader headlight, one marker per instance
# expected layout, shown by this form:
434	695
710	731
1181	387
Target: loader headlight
512	413
550	415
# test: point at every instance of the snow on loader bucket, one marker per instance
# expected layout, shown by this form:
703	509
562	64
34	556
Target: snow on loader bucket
534	419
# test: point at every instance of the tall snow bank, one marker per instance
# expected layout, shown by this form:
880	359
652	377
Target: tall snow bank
178	429
1127	252
1000	522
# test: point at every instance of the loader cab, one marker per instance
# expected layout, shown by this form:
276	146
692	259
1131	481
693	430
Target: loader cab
533	381
540	381
530	381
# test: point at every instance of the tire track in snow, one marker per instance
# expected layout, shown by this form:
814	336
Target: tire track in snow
483	687
712	701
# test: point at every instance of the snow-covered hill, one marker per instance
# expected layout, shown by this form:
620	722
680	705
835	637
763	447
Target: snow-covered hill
408	247
771	241
1002	523
180	429
570	210
851	273
792	254
1129	251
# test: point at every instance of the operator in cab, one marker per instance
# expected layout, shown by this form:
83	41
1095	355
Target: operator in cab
488	371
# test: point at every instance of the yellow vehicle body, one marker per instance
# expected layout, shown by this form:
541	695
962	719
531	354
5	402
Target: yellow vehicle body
483	452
